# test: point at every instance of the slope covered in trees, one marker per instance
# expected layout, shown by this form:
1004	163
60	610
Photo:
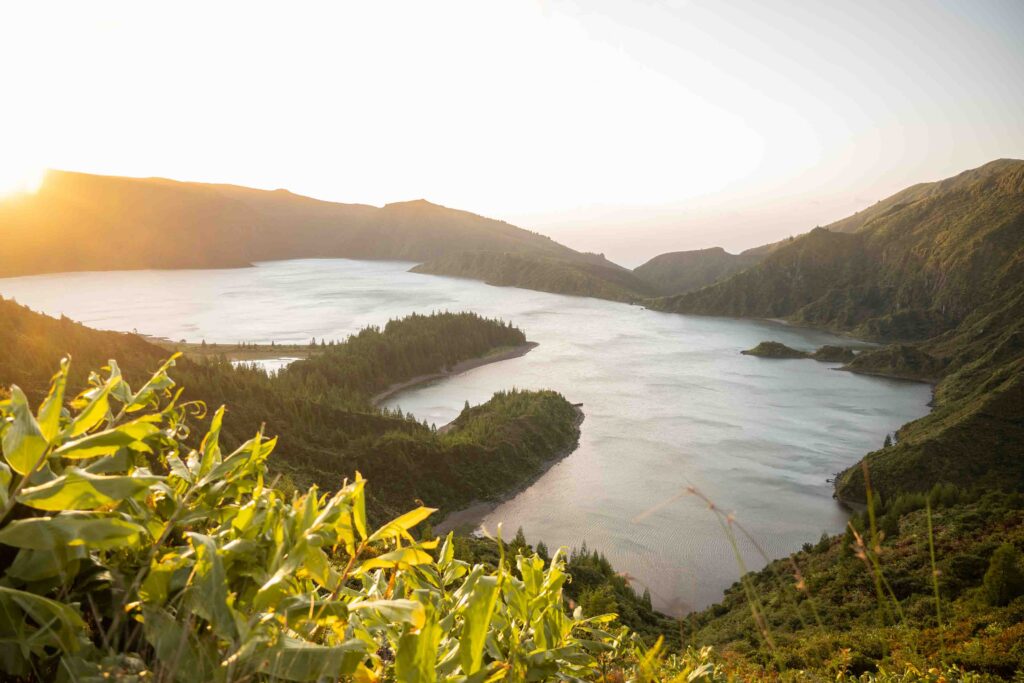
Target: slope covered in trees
940	266
908	269
320	407
167	224
685	271
592	276
375	358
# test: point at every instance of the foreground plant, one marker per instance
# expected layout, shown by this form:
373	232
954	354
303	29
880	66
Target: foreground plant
125	553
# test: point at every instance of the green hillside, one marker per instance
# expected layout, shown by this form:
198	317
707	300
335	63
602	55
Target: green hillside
593	277
683	271
820	609
907	270
938	268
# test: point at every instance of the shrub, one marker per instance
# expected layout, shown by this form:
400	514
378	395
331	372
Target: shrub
1004	580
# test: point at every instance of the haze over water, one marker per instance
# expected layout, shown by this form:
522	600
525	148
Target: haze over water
669	402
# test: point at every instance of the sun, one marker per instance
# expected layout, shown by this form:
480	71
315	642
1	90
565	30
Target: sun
15	180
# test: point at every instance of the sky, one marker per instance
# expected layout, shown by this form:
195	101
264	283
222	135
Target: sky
627	128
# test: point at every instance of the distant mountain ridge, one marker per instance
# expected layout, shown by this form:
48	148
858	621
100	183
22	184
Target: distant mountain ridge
911	267
683	271
159	223
589	275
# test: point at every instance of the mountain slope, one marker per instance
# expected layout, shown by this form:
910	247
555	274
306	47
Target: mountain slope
940	264
974	433
160	223
683	271
594	277
913	268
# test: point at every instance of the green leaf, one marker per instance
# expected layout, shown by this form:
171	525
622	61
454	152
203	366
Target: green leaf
447	552
416	659
248	456
210	448
160	381
399	527
157	585
359	505
58	621
24	443
476	620
209	592
299	610
277	586
77	489
110	440
94	404
297	660
188	659
5	483
94	532
402	556
35	565
394	611
49	411
318	566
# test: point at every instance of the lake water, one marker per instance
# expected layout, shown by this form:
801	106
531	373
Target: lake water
669	402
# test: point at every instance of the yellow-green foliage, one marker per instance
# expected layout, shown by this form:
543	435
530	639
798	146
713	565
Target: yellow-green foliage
127	554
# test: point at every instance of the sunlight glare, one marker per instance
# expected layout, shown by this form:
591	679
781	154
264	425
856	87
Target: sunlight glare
17	179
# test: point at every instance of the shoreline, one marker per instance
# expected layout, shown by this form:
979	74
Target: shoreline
472	515
903	378
500	354
234	352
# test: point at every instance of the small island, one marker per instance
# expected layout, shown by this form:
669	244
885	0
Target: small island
773	349
825	354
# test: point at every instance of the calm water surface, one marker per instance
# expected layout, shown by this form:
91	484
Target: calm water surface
669	402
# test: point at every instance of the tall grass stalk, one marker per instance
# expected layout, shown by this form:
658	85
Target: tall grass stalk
872	554
935	579
757	611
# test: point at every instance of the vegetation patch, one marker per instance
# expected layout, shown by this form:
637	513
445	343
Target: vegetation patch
773	349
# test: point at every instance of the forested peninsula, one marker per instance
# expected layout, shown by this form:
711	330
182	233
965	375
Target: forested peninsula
321	407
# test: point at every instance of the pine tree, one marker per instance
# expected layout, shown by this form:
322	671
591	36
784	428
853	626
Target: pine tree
542	550
888	441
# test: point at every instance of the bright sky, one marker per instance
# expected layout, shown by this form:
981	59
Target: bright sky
630	128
